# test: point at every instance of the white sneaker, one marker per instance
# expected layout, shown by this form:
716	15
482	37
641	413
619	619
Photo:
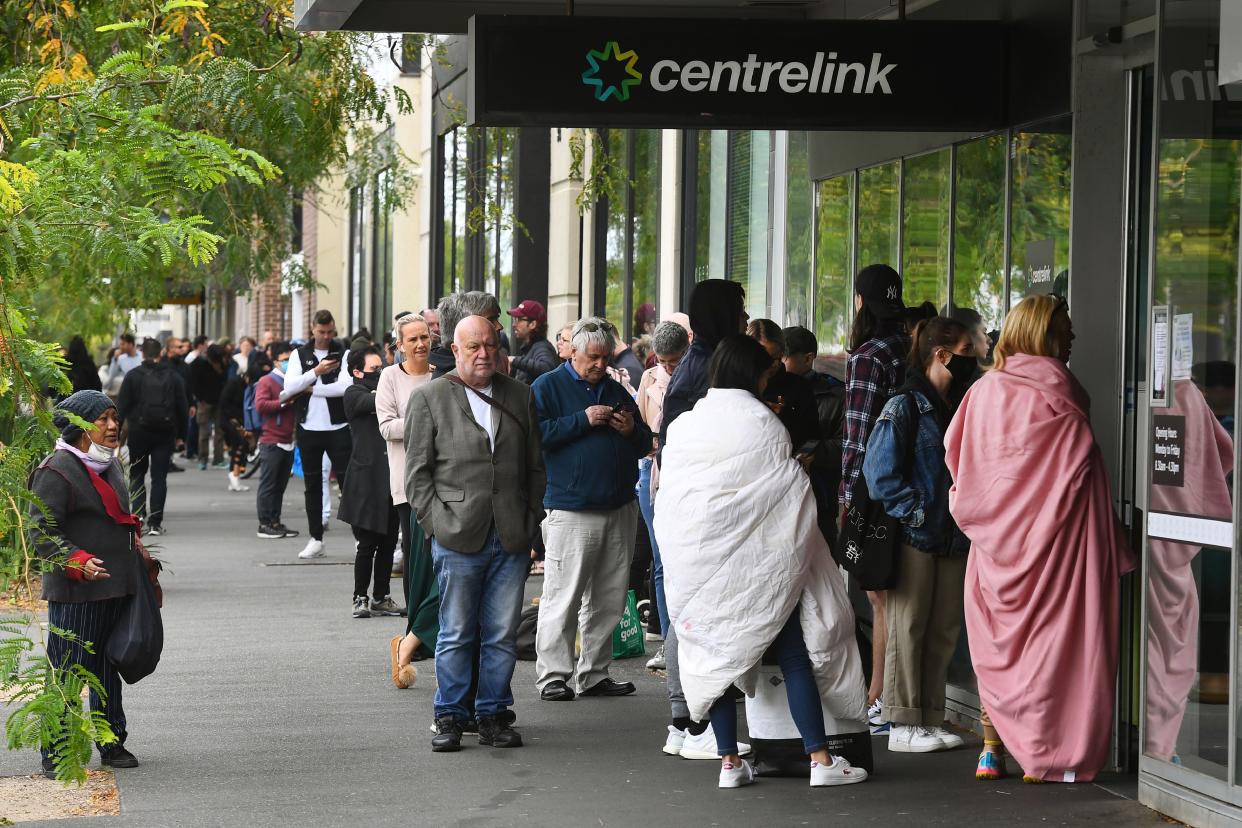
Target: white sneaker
676	738
650	636
947	737
840	772
703	746
657	662
875	718
235	484
314	549
912	739
736	777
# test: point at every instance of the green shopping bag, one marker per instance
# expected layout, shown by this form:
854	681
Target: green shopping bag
627	638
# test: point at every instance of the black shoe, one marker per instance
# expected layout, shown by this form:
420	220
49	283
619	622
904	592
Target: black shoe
289	533
118	757
269	532
470	726
507	717
49	769
494	732
173	467
558	691
608	687
448	735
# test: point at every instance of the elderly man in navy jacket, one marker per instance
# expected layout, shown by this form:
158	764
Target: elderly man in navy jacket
592	442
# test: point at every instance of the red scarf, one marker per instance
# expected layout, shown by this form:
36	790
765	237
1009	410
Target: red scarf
112	503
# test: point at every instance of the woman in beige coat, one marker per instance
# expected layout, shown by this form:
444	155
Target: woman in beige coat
396	384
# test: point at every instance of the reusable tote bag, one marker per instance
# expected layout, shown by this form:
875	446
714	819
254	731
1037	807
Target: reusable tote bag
627	638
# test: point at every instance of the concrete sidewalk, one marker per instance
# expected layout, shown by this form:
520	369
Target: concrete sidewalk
272	706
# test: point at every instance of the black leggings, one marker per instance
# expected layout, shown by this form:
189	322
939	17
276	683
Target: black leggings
239	447
374	555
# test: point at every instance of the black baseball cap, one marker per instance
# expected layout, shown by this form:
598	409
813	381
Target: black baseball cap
880	287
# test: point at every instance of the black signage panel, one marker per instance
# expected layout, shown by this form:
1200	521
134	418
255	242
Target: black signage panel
1168	450
627	72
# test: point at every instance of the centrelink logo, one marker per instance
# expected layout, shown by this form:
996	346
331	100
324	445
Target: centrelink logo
824	75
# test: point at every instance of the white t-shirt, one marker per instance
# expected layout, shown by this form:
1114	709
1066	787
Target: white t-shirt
318	417
483	412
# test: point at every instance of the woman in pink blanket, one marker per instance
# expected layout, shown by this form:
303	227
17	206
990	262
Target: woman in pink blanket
1031	493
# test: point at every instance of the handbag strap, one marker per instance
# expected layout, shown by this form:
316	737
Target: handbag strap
485	398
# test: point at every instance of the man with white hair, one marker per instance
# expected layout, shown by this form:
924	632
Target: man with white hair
592	442
475	478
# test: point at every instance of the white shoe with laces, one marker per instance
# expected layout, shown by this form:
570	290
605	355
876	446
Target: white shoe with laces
313	549
947	738
657	662
235	484
735	776
839	772
676	738
913	739
703	746
875	718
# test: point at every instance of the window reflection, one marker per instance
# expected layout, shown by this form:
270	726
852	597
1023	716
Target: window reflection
834	231
925	267
879	209
1041	205
979	230
798	226
632	241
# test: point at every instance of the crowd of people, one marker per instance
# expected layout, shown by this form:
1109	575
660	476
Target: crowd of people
471	459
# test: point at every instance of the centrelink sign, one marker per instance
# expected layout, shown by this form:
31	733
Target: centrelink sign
623	72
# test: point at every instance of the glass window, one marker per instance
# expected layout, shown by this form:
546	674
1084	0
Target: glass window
497	224
925	237
359	262
1040	217
799	202
834	237
979	229
453	211
879	211
633	226
380	316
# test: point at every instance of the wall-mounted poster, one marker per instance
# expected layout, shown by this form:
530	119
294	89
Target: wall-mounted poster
1183	356
1160	367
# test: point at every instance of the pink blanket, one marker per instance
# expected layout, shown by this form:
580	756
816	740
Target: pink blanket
1172	596
1031	493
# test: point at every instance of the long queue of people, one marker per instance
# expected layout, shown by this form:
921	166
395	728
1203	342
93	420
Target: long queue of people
731	455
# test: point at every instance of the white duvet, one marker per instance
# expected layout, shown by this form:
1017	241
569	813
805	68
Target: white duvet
735	522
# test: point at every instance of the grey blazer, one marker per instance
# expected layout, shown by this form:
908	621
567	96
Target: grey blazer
456	485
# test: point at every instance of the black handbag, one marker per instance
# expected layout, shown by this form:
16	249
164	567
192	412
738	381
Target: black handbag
869	543
137	640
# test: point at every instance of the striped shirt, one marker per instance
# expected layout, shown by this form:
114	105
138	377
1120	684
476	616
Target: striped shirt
872	374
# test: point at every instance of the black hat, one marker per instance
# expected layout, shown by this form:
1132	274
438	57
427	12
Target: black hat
85	404
880	287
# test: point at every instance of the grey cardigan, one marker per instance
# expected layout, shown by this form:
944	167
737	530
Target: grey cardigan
457	486
76	519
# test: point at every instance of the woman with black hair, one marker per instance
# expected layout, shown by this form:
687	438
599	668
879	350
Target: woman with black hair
733	501
876	368
905	471
82	371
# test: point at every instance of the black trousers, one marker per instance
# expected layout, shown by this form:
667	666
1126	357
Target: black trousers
235	439
375	555
274	469
151	450
91	622
338	444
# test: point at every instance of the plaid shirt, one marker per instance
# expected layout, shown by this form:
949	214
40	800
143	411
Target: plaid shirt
872	374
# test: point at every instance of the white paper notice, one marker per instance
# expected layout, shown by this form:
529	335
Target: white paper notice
1183	345
1160	356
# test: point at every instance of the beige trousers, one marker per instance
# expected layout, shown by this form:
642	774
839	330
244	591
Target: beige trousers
924	620
585	575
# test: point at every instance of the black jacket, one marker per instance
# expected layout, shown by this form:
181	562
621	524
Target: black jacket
688	385
535	359
134	388
207	381
366	501
627	360
789	395
178	367
442	361
232	404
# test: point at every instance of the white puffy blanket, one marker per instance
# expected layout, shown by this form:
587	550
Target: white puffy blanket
735	521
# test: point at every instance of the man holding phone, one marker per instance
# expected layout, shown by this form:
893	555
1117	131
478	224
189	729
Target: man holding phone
592	442
317	385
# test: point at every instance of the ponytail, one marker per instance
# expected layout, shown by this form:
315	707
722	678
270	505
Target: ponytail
930	334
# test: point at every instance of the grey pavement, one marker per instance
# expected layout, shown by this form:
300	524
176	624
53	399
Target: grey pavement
272	706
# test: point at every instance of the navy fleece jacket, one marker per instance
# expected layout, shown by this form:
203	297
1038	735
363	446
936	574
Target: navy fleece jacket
590	468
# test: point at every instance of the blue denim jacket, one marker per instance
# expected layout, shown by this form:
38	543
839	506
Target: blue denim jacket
917	496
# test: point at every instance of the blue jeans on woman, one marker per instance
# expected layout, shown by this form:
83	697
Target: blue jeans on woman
804	701
647	507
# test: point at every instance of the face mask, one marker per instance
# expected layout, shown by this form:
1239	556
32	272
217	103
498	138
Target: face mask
370	379
283	366
101	453
963	369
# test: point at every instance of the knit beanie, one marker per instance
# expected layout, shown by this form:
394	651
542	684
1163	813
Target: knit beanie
86	404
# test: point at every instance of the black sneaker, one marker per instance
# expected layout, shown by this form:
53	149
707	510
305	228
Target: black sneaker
470	726
266	530
494	732
118	757
448	735
360	607
173	467
288	533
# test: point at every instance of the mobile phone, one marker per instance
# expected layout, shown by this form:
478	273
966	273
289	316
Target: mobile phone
335	356
809	447
624	406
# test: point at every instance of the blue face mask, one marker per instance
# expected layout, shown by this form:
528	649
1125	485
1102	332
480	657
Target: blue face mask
284	366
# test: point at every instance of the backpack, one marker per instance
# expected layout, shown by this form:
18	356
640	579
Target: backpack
157	400
251	421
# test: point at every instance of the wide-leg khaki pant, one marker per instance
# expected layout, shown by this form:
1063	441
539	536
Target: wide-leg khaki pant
924	620
585	577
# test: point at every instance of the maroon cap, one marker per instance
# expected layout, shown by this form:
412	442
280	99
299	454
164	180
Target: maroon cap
529	309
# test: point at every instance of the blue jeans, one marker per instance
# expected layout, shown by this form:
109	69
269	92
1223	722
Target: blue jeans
804	702
647	507
480	603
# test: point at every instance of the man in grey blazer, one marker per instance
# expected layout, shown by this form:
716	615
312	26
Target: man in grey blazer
475	477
